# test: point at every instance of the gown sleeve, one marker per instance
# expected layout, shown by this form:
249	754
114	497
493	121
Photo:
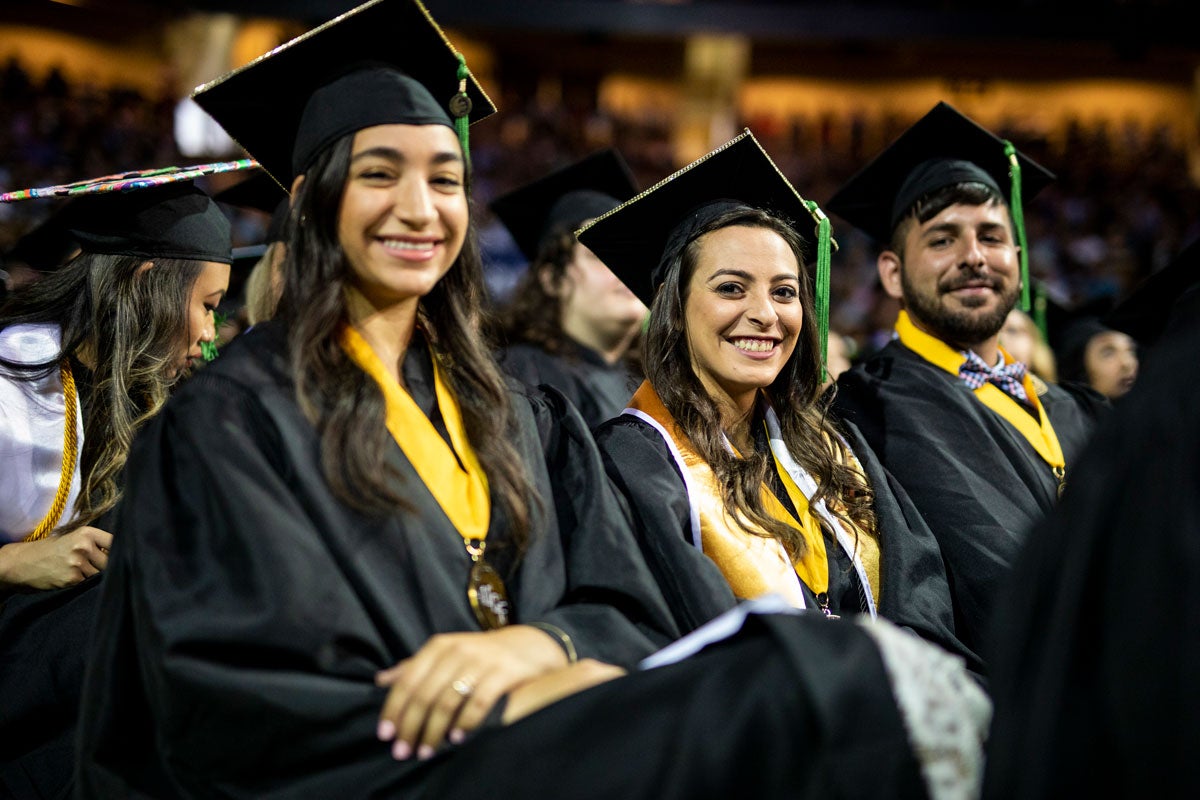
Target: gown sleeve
643	471
612	608
915	587
212	632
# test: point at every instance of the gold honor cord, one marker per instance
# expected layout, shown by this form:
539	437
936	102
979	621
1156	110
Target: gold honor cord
1039	434
460	491
70	456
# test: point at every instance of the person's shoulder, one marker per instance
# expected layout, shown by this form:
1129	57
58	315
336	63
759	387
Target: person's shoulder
1074	393
30	343
625	430
254	360
250	371
890	363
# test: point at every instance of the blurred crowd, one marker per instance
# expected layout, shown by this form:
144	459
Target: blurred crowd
1123	203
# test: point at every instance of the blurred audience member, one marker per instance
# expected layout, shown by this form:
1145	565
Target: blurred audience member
1024	342
1094	354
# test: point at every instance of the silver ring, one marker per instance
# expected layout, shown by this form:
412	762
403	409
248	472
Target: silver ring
463	686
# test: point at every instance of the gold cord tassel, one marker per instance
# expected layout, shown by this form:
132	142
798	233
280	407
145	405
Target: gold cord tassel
70	454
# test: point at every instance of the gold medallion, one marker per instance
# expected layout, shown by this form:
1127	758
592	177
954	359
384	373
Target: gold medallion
485	591
460	105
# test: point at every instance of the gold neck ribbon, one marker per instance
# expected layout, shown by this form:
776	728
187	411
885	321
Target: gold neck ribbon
1040	434
462	494
752	564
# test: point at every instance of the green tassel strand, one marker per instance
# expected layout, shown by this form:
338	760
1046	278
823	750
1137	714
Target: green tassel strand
824	235
1018	217
462	121
209	350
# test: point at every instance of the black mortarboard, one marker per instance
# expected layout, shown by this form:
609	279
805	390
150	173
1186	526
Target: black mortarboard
942	148
383	62
156	213
640	238
565	199
1161	302
176	220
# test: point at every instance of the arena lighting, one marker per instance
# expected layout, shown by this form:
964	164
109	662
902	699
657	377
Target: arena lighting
198	135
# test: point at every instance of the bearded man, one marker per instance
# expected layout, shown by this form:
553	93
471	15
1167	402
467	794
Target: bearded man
983	447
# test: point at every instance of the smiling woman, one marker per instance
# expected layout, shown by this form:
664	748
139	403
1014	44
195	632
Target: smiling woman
404	211
740	482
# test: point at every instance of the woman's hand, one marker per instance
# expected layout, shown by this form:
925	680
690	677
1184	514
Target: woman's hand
448	687
56	561
541	692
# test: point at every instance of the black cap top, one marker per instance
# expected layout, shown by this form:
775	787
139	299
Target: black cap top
383	62
942	148
174	220
1163	301
565	199
637	239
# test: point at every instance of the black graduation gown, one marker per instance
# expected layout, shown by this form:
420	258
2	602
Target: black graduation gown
977	482
913	582
43	653
246	609
1096	648
598	389
793	706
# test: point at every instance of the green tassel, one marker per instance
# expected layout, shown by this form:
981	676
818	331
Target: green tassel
461	107
824	235
1018	217
209	350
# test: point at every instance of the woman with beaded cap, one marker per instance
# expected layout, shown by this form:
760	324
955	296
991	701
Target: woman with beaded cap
88	353
739	482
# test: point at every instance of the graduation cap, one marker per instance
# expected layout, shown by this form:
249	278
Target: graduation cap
638	239
383	62
48	245
941	149
565	199
155	213
1161	302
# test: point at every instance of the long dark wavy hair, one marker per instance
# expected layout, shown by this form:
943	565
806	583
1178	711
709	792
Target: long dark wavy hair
796	396
131	324
342	401
534	315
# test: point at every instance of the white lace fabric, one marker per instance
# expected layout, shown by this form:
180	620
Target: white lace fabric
945	712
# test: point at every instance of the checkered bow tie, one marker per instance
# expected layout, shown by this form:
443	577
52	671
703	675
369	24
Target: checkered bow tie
974	372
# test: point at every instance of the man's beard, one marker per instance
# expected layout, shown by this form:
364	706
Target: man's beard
967	326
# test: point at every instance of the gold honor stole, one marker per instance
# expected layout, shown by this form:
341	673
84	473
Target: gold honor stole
753	565
462	494
1040	434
